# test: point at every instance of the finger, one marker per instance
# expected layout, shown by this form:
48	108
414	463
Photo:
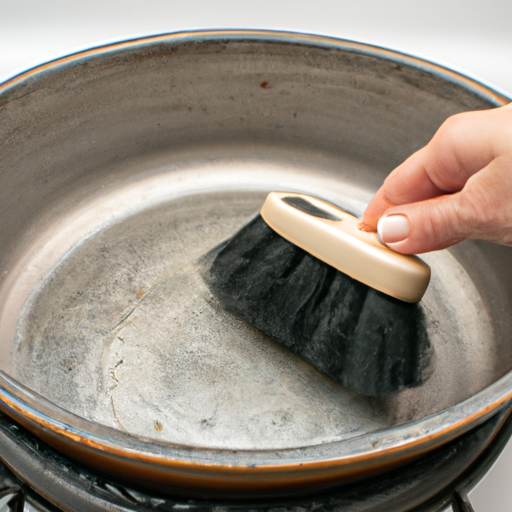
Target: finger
374	211
481	210
410	182
456	152
407	183
424	226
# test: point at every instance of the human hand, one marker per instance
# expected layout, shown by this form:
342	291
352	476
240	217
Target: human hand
458	186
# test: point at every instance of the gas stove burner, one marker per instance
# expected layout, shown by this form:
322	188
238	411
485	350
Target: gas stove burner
36	478
11	498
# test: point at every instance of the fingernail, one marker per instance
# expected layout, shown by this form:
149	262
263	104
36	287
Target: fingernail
393	228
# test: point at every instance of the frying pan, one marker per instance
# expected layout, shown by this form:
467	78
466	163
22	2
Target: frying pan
122	165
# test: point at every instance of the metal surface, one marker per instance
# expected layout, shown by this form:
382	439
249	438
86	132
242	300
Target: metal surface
122	166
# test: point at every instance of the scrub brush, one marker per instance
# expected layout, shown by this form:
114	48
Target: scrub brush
304	274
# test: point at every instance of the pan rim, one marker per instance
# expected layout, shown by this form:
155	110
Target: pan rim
278	36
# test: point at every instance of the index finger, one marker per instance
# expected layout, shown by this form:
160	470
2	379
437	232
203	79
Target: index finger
463	145
409	182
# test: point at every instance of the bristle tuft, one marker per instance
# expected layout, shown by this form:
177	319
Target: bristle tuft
363	339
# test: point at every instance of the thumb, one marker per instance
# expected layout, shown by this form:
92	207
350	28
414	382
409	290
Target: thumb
428	225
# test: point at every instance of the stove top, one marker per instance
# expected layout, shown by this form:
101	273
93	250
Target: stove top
34	477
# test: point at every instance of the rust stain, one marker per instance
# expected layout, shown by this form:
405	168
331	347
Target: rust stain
265	85
140	294
158	426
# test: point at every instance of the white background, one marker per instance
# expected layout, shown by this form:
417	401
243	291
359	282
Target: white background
472	36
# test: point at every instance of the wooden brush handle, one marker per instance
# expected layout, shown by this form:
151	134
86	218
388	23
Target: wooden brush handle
331	235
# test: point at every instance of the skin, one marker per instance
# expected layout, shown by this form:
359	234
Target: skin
458	186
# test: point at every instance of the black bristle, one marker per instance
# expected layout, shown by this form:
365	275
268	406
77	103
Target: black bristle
363	339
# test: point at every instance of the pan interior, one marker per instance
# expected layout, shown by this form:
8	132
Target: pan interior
107	316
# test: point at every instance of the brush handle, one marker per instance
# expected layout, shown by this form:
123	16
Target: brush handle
331	235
